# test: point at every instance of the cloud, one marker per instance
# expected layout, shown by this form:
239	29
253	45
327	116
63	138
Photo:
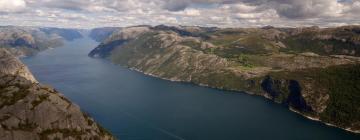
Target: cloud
190	12
222	13
352	8
176	5
12	5
306	8
286	8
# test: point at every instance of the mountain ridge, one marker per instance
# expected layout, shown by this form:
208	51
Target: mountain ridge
27	41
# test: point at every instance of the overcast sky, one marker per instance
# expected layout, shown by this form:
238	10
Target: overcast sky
221	13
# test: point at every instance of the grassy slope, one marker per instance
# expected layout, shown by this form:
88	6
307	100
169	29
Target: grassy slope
342	84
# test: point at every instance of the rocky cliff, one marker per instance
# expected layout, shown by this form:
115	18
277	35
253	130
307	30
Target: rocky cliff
12	66
31	111
296	67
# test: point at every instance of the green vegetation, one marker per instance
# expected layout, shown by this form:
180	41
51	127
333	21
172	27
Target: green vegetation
244	60
245	57
343	86
223	80
303	43
225	37
191	43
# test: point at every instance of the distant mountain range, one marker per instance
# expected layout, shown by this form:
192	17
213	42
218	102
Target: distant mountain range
314	71
25	41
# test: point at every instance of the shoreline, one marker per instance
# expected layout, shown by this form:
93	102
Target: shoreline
247	92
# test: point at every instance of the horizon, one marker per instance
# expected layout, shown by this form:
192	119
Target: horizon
278	27
89	14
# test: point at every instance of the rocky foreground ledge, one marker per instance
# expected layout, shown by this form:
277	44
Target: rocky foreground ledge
31	111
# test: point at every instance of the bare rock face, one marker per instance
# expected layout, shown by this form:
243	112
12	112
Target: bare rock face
31	111
12	66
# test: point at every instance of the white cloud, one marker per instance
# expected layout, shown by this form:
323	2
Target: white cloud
12	5
222	13
190	12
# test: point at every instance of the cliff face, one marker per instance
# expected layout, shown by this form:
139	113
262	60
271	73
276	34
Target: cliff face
31	111
293	67
25	41
12	66
330	95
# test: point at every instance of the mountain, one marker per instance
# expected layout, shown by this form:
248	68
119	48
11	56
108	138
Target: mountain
25	41
67	34
32	111
313	71
100	34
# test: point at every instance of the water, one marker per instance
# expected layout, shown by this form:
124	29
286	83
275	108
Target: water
137	107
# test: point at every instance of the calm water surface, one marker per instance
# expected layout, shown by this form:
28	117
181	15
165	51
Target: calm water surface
137	107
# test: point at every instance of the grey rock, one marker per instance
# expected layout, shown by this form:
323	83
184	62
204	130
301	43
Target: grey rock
13	66
31	111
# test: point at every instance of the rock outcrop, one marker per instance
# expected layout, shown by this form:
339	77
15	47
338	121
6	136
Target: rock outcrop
31	111
12	66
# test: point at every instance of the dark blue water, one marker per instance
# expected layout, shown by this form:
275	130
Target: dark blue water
138	107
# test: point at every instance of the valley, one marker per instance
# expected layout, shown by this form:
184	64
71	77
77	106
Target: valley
319	82
132	105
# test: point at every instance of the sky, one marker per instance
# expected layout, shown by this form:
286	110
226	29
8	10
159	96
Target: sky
219	13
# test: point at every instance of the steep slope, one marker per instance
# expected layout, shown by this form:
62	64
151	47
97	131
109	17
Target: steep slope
24	41
100	34
259	61
117	38
31	111
12	66
330	95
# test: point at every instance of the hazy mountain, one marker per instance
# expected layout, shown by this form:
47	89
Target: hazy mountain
100	34
67	34
23	41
